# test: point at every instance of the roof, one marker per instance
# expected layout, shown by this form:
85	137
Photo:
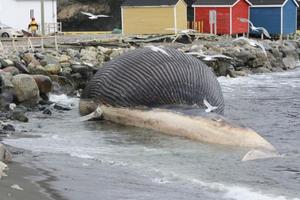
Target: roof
220	3
267	2
215	2
150	2
270	2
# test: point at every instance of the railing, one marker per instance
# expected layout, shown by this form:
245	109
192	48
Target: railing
52	28
27	43
196	25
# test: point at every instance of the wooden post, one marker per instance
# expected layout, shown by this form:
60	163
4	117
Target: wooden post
1	47
30	46
262	36
42	43
55	41
14	44
202	26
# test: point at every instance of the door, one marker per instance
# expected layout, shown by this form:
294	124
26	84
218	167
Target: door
213	21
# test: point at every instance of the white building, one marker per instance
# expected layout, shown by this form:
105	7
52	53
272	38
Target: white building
17	13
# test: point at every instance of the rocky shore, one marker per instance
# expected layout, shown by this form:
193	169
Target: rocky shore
27	77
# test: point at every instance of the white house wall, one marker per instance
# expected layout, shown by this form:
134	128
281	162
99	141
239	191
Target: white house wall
16	13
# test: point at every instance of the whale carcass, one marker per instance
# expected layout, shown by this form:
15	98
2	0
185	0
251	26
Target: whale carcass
131	89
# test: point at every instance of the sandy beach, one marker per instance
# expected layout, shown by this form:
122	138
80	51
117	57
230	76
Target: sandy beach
33	182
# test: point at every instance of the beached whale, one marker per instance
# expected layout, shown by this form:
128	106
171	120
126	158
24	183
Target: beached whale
131	89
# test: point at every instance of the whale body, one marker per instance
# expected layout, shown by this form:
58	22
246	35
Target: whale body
150	79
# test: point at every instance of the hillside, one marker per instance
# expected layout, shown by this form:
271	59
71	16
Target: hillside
69	13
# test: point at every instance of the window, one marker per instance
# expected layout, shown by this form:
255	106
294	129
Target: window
31	13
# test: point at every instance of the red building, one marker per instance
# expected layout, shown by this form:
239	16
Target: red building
222	16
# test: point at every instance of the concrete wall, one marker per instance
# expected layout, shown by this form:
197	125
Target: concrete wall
16	13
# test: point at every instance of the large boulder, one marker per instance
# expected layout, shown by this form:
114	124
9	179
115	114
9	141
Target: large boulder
26	89
6	90
5	155
53	69
12	70
44	83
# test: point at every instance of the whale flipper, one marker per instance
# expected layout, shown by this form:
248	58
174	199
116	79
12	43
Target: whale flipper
96	114
260	154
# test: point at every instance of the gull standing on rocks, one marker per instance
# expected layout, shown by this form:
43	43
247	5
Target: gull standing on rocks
157	49
252	43
92	16
257	29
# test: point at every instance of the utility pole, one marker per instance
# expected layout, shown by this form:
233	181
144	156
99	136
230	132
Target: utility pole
43	17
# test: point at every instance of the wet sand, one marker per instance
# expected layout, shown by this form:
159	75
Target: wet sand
35	183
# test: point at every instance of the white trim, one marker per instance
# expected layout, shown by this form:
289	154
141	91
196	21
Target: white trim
214	6
182	1
266	6
230	23
194	14
296	19
249	19
175	20
222	5
122	18
240	0
160	6
281	20
288	0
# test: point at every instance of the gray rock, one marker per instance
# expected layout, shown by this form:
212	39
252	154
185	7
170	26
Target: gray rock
19	115
65	64
21	67
5	155
6	63
64	58
26	89
6	80
88	55
44	83
53	69
12	70
260	70
63	107
290	62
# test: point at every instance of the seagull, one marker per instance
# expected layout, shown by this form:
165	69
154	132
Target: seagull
157	49
208	57
252	43
254	28
209	107
92	16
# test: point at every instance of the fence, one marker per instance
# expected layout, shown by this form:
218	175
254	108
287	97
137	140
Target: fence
29	43
196	25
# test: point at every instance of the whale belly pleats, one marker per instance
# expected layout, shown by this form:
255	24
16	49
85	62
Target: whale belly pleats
145	77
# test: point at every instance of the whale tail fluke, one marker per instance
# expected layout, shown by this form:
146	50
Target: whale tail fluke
96	114
260	154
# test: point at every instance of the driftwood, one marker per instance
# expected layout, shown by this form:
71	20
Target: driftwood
104	42
147	39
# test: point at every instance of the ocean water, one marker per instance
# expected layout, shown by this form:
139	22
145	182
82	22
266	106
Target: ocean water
101	160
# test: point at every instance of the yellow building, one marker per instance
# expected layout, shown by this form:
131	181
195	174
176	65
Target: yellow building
153	16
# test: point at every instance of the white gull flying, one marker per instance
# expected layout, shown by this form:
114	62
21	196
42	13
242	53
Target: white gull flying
92	16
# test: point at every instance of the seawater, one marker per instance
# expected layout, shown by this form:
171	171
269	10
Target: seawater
101	160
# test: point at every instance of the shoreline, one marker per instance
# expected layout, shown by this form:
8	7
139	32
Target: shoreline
35	182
